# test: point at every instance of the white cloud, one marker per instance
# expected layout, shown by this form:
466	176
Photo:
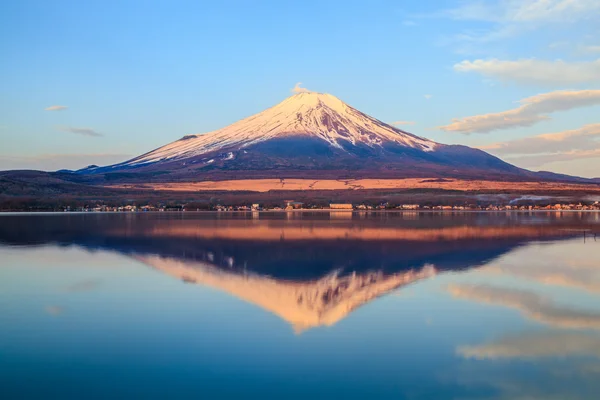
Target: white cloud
532	111
398	123
575	144
80	131
583	138
561	100
490	122
532	305
428	96
55	108
298	89
409	22
533	71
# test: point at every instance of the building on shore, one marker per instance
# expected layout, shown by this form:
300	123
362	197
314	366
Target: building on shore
409	206
293	205
341	206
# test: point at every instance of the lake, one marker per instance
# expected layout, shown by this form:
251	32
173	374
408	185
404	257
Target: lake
300	305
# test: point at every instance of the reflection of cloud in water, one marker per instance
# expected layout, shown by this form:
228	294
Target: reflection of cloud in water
544	381
584	276
571	264
533	345
590	368
534	306
83	286
54	310
304	304
560	365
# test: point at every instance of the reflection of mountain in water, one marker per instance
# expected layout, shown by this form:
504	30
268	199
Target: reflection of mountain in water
311	271
304	304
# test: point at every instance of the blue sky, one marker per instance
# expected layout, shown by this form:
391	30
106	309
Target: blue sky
134	75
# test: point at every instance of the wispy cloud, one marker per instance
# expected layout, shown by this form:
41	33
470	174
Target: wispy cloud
298	89
525	11
56	108
533	71
589	49
561	44
399	123
533	110
532	305
510	18
575	139
53	162
538	160
575	48
80	131
428	96
532	152
479	36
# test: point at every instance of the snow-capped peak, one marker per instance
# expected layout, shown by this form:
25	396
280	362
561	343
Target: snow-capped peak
317	115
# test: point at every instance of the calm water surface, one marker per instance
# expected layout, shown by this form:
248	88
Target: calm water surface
300	305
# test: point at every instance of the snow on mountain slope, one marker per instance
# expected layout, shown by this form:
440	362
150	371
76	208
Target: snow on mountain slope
315	115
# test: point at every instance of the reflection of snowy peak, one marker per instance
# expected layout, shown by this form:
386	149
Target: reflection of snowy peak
303	304
316	115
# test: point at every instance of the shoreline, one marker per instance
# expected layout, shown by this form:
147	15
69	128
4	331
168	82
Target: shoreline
322	210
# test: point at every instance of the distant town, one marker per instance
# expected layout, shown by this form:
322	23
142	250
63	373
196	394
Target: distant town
291	205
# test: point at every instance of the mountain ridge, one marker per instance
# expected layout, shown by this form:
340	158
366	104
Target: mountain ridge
313	134
317	115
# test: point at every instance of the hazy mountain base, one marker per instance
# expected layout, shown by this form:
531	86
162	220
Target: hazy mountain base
266	185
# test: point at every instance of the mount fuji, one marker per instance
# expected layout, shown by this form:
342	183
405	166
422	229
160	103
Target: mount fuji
312	135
